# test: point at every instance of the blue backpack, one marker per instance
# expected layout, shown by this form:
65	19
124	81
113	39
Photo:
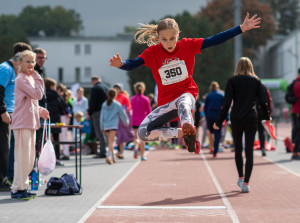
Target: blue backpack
65	185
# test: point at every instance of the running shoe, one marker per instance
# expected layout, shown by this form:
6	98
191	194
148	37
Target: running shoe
245	188
21	195
240	182
197	146
135	153
143	158
270	129
189	135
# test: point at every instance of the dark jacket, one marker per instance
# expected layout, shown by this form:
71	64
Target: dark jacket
296	106
56	106
213	104
98	96
269	103
243	90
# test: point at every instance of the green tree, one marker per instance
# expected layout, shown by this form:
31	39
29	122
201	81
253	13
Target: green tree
36	21
10	33
52	22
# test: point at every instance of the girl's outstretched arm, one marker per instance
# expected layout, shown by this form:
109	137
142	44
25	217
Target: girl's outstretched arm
228	34
128	64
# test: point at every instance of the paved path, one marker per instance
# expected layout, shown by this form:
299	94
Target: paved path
172	186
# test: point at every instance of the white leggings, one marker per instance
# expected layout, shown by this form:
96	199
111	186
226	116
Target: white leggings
151	128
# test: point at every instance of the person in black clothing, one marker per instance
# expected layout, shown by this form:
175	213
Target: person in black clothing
244	88
260	127
56	107
41	57
98	96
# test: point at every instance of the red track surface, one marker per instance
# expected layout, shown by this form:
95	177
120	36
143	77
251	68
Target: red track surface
178	179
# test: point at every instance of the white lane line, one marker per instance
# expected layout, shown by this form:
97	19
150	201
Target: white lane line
165	207
230	210
100	201
278	164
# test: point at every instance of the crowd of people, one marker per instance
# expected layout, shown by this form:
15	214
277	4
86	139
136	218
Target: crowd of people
114	118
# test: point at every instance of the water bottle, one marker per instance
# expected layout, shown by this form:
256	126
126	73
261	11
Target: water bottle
34	180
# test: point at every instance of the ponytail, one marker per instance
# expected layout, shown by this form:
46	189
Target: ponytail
111	94
147	34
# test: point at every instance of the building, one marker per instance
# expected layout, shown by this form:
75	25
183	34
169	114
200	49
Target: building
74	60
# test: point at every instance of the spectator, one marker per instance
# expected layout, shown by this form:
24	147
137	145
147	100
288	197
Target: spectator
41	58
98	96
296	119
124	133
260	127
7	103
111	113
212	106
29	89
56	107
243	89
140	109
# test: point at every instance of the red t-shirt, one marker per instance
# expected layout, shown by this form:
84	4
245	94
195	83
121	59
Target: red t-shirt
173	71
123	100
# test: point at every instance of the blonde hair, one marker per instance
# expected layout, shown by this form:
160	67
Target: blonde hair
27	53
139	87
244	67
214	86
78	114
148	33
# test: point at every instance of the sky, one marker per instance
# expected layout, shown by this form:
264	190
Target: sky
109	17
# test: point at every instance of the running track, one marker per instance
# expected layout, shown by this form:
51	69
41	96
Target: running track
177	186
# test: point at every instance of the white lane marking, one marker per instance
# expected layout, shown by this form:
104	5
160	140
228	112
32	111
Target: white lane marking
278	164
100	201
164	207
230	210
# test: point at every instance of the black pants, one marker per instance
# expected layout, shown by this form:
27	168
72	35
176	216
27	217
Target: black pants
4	147
237	134
296	131
261	135
56	146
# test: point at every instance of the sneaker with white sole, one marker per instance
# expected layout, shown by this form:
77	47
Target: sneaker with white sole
245	188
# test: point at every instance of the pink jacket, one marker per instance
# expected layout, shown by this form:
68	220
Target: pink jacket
28	90
141	107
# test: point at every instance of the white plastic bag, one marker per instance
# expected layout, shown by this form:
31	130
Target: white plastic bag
47	160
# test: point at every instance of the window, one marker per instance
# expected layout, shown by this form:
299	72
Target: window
87	49
60	74
77	74
87	72
77	49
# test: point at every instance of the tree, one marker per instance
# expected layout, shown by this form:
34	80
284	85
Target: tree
224	9
10	32
52	22
37	21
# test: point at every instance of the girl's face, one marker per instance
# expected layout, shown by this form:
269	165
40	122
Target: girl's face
27	64
168	39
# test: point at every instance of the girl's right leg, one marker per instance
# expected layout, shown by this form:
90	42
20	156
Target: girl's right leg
249	143
237	134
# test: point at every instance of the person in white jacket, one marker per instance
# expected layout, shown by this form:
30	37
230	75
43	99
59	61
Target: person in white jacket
109	119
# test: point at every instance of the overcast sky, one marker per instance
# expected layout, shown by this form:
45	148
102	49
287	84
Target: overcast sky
108	17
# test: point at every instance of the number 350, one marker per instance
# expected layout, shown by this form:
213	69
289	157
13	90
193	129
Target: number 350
173	72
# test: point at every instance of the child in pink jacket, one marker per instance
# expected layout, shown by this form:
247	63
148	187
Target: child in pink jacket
29	88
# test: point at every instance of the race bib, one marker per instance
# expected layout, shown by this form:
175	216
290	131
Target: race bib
173	72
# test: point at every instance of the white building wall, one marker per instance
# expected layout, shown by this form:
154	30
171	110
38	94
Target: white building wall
61	54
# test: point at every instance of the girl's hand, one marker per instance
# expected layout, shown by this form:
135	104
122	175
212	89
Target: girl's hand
116	61
215	126
252	23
